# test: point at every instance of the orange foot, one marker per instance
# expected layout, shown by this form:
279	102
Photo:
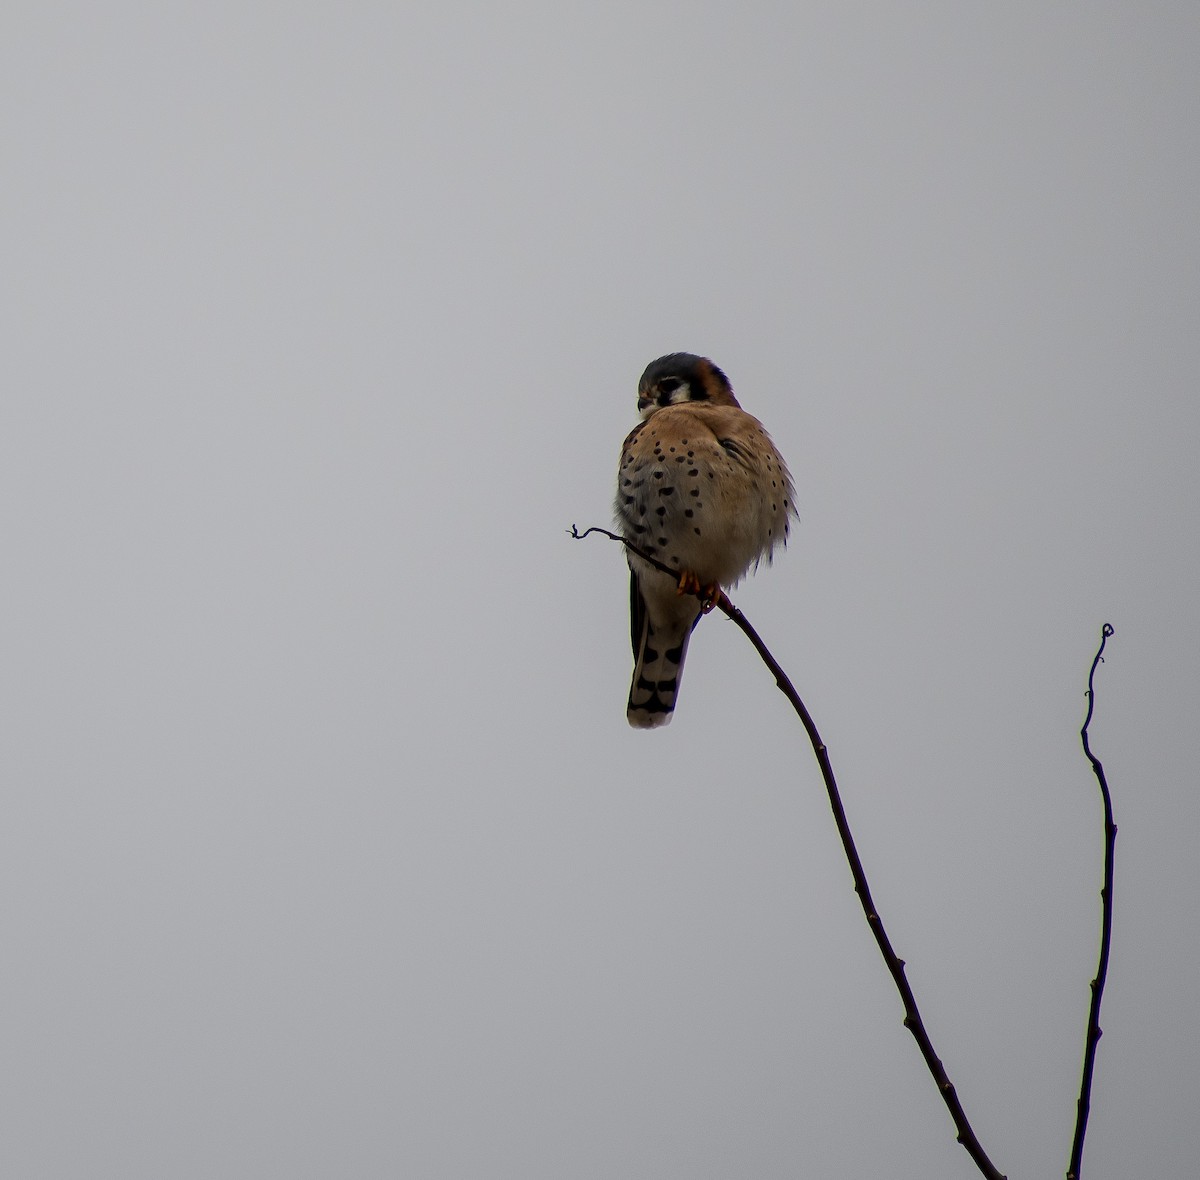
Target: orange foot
709	595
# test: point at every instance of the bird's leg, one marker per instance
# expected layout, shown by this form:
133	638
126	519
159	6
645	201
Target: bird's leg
709	595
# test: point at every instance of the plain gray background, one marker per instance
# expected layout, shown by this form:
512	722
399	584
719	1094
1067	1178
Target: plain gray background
325	849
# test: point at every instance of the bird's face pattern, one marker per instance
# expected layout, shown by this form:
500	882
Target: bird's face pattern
702	489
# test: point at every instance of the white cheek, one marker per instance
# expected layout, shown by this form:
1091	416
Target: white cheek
675	398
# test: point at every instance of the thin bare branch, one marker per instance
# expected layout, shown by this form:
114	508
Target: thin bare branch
1094	1031
912	1016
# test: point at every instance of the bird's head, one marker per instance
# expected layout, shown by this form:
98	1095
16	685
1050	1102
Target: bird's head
682	377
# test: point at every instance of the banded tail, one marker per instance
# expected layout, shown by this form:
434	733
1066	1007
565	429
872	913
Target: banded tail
660	630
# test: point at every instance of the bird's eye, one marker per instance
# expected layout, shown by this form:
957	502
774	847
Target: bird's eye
669	384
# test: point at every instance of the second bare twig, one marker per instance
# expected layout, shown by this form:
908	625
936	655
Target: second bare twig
1094	1031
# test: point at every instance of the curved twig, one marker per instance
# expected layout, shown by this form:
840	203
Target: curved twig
1094	1032
912	1016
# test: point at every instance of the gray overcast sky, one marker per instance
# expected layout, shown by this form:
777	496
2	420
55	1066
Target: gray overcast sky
326	849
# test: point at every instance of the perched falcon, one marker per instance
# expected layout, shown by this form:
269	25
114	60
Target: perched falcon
702	489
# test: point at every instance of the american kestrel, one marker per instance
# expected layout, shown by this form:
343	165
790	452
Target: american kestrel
702	489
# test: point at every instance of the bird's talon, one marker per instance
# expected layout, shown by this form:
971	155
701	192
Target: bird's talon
709	595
